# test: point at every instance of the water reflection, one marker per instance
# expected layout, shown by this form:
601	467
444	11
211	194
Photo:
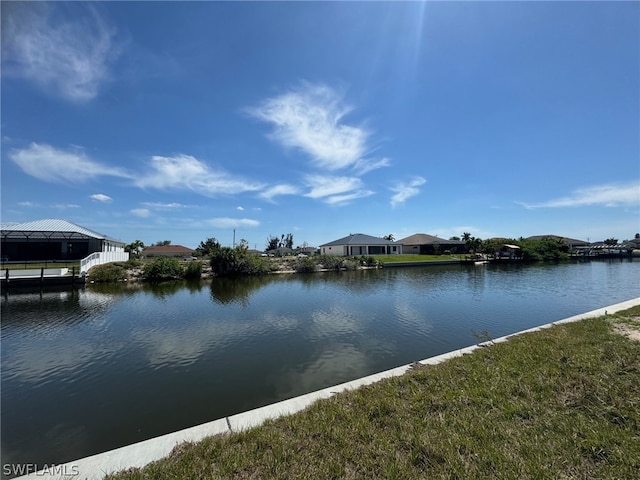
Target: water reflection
237	289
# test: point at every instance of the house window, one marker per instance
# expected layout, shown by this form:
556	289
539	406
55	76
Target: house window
394	249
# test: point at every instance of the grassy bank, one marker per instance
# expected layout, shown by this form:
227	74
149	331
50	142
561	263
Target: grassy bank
560	403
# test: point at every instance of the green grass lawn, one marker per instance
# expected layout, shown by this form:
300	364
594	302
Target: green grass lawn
415	258
560	403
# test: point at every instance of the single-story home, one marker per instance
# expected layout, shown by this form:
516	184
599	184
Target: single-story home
360	244
306	250
167	251
280	252
55	239
422	243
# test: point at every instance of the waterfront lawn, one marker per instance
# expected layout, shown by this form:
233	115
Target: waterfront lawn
560	403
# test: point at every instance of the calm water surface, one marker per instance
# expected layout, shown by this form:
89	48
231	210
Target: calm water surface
89	370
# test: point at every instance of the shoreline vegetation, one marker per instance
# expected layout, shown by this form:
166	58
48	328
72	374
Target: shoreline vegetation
563	402
216	260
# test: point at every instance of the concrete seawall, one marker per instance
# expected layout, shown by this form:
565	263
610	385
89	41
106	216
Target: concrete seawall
145	452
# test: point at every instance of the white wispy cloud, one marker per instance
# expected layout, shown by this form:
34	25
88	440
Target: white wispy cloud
57	206
607	195
67	57
347	198
240	208
335	190
226	222
65	206
140	212
404	191
311	119
277	190
51	164
164	206
189	173
101	197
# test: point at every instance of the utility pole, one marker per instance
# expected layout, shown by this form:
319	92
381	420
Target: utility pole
234	238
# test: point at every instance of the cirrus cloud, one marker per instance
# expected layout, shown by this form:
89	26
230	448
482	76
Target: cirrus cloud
67	58
51	164
189	173
277	190
226	222
335	190
311	119
607	195
405	190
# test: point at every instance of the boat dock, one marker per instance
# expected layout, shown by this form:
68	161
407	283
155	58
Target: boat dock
40	277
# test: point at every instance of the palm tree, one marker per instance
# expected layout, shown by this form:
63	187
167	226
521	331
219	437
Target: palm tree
389	237
135	248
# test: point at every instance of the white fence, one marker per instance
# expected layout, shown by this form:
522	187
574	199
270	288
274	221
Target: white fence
98	258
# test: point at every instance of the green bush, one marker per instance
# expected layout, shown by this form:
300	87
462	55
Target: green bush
349	264
547	249
193	270
162	268
306	264
330	262
368	261
227	261
132	263
108	272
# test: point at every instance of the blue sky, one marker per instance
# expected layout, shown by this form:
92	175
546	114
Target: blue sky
187	120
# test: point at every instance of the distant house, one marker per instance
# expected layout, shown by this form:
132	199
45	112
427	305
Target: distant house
306	250
280	252
361	244
421	243
167	251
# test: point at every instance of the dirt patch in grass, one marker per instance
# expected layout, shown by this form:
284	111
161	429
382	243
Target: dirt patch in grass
629	330
627	323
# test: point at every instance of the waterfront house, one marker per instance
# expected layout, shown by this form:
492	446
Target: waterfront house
360	244
55	239
422	243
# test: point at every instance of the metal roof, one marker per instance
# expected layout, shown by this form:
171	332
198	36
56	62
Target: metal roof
50	228
360	239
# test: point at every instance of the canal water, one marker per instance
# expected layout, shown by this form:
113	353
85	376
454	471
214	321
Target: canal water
84	371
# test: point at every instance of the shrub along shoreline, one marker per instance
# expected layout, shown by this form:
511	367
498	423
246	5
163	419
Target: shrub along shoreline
224	262
563	402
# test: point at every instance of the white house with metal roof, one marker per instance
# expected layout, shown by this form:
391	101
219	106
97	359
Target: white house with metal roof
54	239
360	244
